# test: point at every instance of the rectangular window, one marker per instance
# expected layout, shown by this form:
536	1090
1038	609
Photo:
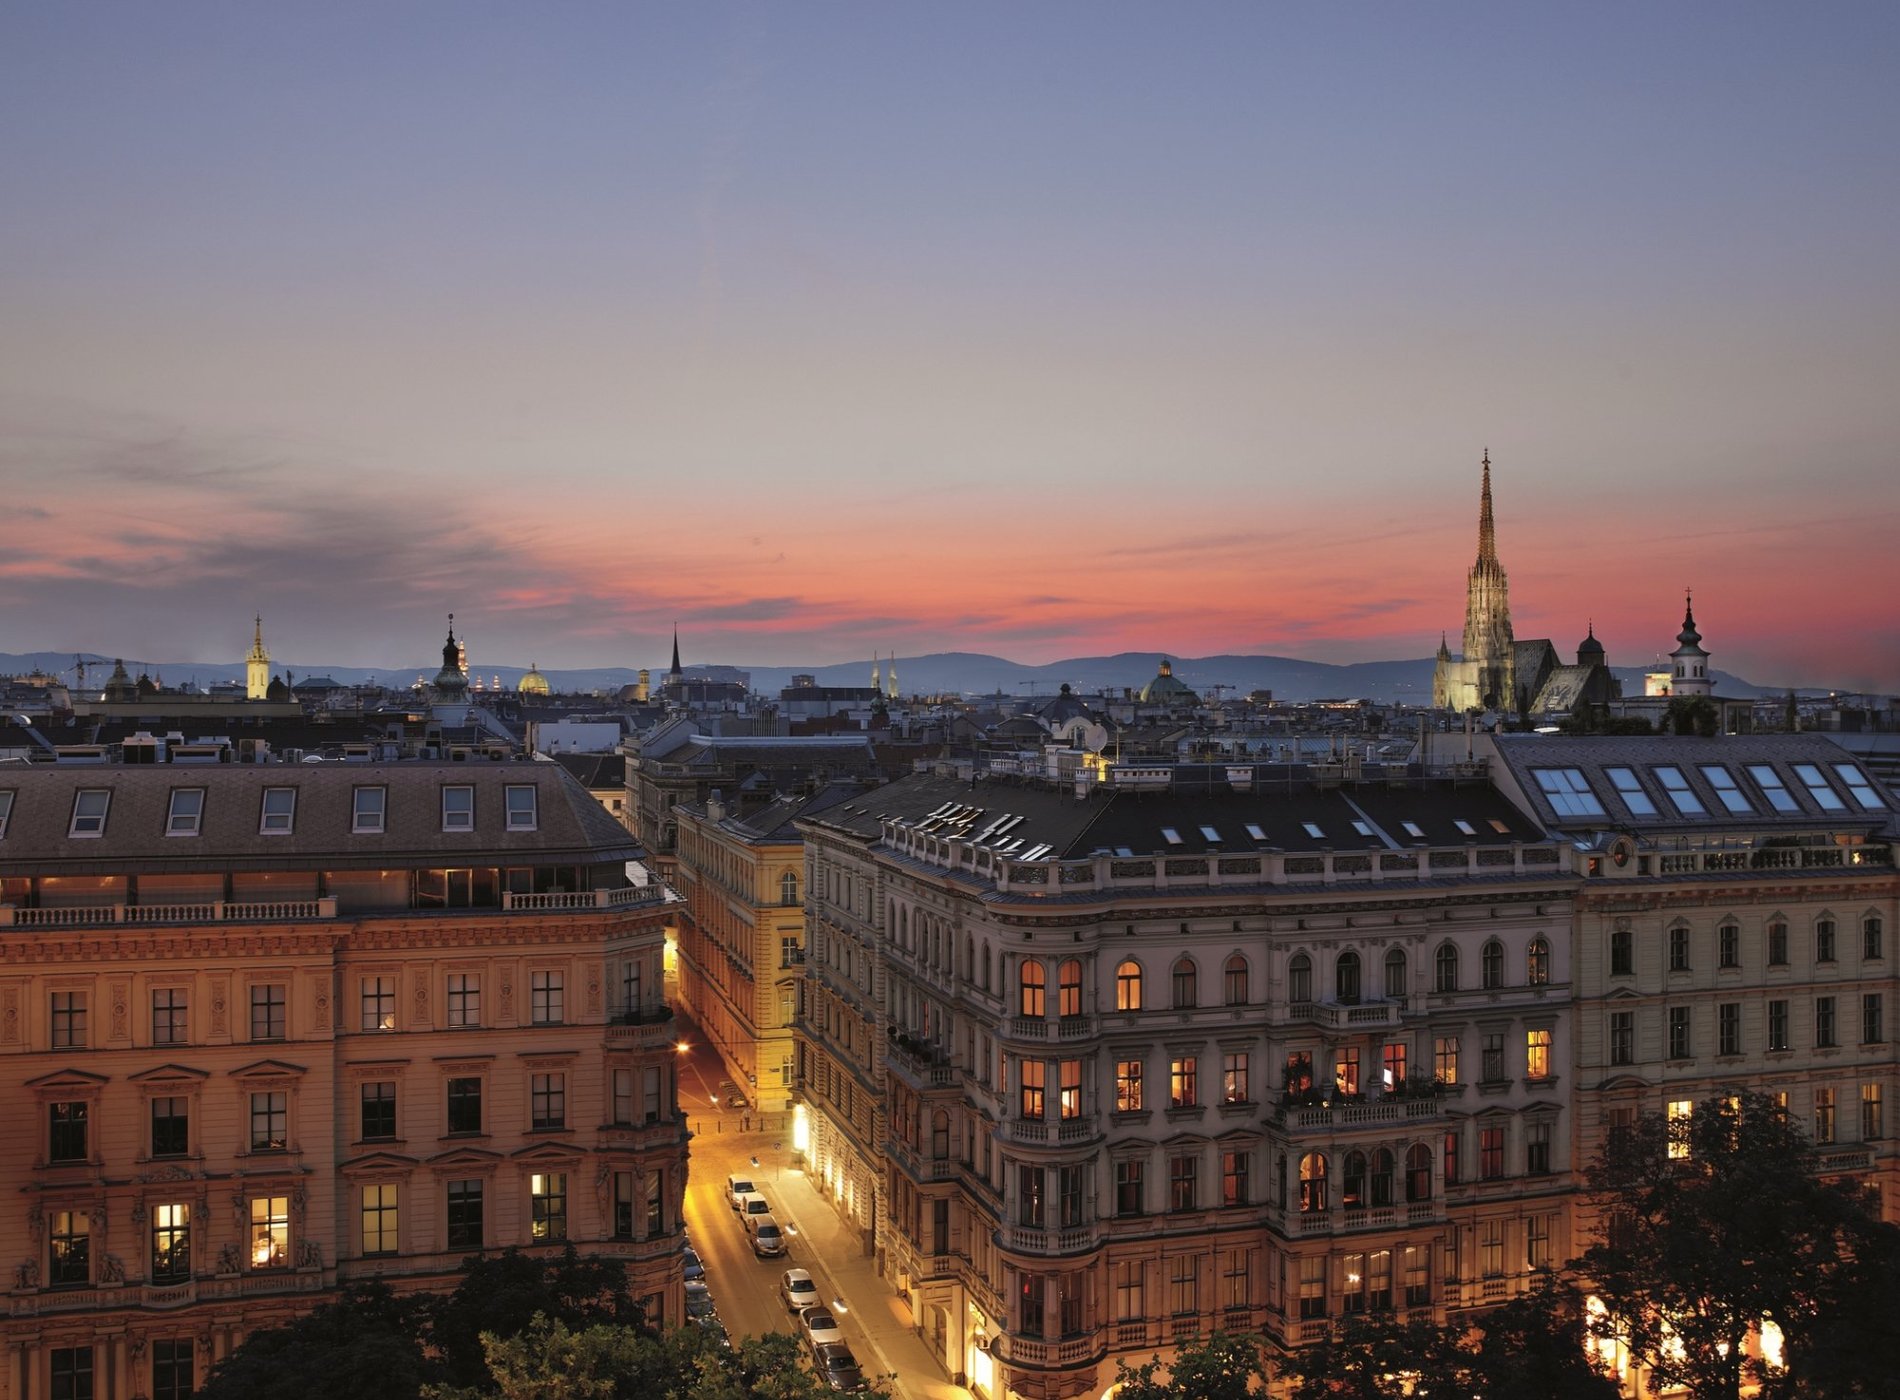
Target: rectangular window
547	998
1451	1158
1234	1171
547	1199
1312	1286
268	1011
1568	793
1873	946
1418	1275
1029	1209
379	1004
622	1092
1490	1153
90	806
270	1122
1729	940
1537	1054
1727	791
1537	1149
1129	1306
1622	1037
171	1023
1680	793
1777	944
379	1219
270	1232
71	1373
1184	1293
1776	791
1679	949
1824	1036
1071	1180
1818	788
521	808
1183	1175
1128	1086
1679	1033
1728	1028
186	812
378	1117
67	1138
1491	1248
1873	1019
465	1105
547	1095
465	1000
1445	1059
1128	1186
624	1202
458	809
69	1020
1873	1124
171	1243
1823	1117
1183	1083
1234	1279
277	816
6	812
1622	953
1234	1077
1824	940
1491	1066
1859	788
1777	1025
1537	1242
465	1215
1628	788
1676	1117
368	809
71	1234
1034	1086
173	1376
171	1127
656	1213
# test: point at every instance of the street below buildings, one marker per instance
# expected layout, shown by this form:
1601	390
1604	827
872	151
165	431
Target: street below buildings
876	1322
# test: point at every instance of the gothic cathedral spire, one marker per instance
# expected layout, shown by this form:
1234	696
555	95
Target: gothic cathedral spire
1486	675
1487	529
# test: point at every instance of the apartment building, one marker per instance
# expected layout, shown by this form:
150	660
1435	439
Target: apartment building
269	1028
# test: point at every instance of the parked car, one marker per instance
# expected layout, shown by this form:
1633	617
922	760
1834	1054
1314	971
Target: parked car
798	1290
837	1367
767	1240
754	1203
694	1268
699	1301
737	1189
819	1326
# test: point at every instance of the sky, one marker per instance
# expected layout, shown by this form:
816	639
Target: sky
1040	330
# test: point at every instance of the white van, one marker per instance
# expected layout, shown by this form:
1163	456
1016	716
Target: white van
767	1239
751	1204
737	1189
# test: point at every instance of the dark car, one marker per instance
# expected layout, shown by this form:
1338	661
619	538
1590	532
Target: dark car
837	1367
694	1268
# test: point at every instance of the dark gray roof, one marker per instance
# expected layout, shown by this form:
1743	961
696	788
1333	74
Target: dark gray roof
570	825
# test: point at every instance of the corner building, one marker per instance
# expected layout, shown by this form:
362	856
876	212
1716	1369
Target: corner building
1250	1047
265	1030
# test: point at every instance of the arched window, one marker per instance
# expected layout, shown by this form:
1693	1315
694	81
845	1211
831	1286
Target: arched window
1184	980
1492	964
940	1135
1234	979
1128	986
1313	1182
1445	968
1069	989
1381	1178
1346	978
1418	1173
1032	983
1352	1191
788	888
1395	975
1537	963
1299	978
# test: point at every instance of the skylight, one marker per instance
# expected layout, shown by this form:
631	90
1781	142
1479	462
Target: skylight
1859	788
1255	833
1818	788
1361	827
1312	829
1631	791
1465	828
1210	834
1726	788
1413	829
1568	792
1680	793
1171	836
1500	827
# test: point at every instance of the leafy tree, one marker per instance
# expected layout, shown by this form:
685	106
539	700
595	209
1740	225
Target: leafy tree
1712	1225
1536	1344
1220	1367
503	1294
364	1345
1380	1358
1693	714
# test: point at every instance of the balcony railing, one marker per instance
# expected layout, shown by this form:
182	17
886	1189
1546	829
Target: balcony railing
1351	1116
235	911
1349	1016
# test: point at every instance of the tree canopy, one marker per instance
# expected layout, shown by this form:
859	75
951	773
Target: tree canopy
1220	1367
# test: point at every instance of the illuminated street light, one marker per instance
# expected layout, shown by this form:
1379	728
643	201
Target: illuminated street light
682	1047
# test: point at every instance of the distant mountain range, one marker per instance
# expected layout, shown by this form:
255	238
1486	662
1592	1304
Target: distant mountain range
969	673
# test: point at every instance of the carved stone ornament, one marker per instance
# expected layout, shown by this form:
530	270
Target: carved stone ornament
219	993
121	1014
228	1259
10	1015
26	1274
112	1269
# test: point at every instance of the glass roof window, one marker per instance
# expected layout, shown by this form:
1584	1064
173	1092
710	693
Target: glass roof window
1630	788
1859	788
1727	789
1818	787
1680	793
1776	791
1568	792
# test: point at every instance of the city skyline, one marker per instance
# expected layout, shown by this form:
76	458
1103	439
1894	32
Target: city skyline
1040	334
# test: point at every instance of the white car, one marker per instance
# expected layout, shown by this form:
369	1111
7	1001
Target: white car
798	1290
737	1189
819	1326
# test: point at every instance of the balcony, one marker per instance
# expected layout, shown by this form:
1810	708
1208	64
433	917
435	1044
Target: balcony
1349	1016
1070	1351
649	1028
923	1065
232	911
1353	1117
1032	1239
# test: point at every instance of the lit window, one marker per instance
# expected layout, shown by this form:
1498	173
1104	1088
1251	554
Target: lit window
270	1232
1183	1083
370	805
458	809
1680	793
279	811
1630	790
1823	1117
1679	1113
171	1243
521	809
1819	788
1128	1086
1859	788
1537	1054
1776	791
379	1004
1537	963
547	1193
379	1219
89	812
1568	792
1069	1090
70	1232
186	813
1128	987
1727	790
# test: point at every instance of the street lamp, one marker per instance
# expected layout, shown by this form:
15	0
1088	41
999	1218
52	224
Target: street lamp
682	1047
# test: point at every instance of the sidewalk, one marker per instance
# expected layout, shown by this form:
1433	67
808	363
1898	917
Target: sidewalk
832	1251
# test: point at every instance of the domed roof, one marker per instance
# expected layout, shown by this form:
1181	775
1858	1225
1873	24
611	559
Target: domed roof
278	690
1165	688
1590	646
533	683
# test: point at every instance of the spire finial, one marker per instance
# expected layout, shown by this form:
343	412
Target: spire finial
676	649
1487	531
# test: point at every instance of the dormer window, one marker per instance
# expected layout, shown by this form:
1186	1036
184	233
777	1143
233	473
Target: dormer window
368	810
521	808
458	809
90	806
279	812
187	812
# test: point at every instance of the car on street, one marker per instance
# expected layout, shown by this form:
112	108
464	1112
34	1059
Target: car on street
819	1326
694	1268
798	1290
699	1301
754	1203
768	1241
837	1367
737	1189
